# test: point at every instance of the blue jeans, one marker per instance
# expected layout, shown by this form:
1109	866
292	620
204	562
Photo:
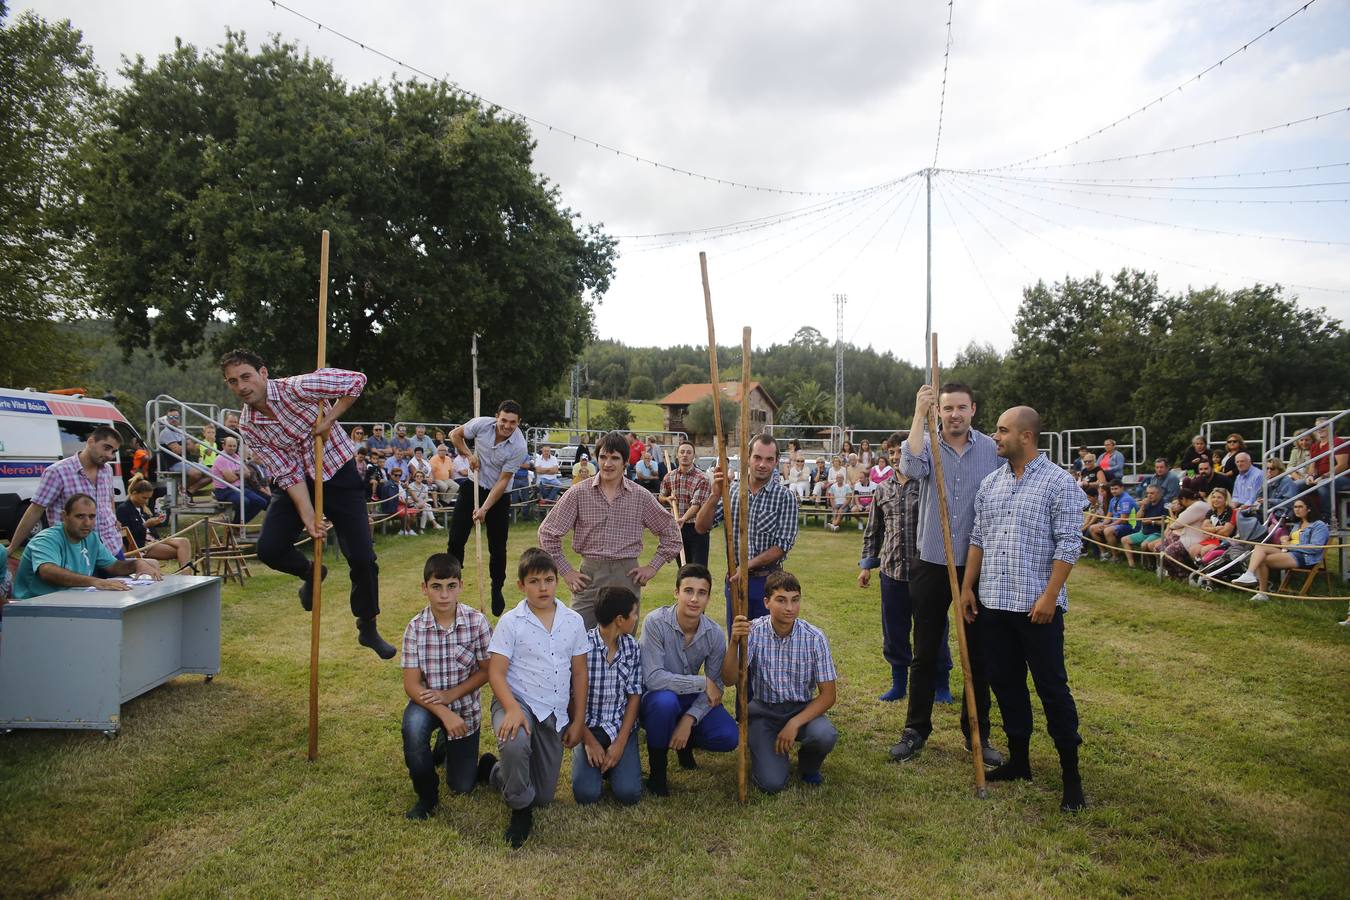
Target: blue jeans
661	711
897	616
754	602
1342	483
768	767
625	778
461	755
254	502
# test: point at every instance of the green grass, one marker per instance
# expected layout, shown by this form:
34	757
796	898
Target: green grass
1214	762
647	417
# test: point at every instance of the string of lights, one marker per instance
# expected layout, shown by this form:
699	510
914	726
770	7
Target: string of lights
1154	198
876	294
1177	149
1018	225
942	99
557	129
980	222
1197	228
834	243
1096	237
1161	97
1136	184
956	226
868	243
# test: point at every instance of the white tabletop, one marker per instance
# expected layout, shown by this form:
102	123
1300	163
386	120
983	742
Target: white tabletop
109	601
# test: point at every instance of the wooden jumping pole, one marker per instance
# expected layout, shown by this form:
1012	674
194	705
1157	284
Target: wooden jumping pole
473	473
674	504
741	760
316	579
935	453
740	596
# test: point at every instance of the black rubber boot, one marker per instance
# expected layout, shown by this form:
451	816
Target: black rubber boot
369	636
498	601
307	590
656	763
486	763
1073	800
686	758
1018	766
424	808
518	831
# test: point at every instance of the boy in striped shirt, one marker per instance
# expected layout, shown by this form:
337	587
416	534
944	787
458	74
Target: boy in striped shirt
445	653
613	690
791	675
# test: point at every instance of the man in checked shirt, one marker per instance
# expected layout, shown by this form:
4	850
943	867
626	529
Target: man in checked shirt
1023	545
607	516
279	425
689	488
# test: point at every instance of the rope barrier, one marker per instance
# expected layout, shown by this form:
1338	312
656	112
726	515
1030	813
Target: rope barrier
300	543
1234	539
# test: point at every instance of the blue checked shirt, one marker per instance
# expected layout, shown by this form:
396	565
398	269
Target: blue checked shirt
610	683
787	669
1024	525
963	474
773	521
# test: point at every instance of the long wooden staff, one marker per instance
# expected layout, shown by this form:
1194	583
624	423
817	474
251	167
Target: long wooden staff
473	473
741	759
935	453
316	579
740	597
674	505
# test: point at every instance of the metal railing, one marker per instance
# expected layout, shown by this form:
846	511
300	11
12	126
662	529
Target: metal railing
809	436
431	427
1052	445
1314	486
1256	446
1284	432
156	419
1131	441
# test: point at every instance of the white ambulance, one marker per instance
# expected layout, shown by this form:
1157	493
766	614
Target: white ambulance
39	429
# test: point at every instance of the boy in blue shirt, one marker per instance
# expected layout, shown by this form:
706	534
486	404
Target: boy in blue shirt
1117	525
68	556
1149	536
614	687
538	675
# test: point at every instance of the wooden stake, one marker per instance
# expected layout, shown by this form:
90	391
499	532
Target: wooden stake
674	505
473	473
742	760
740	597
316	579
935	453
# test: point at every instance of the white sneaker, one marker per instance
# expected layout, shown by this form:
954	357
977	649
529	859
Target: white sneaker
1245	578
1260	597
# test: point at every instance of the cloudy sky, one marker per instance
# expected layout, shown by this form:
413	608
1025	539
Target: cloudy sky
833	98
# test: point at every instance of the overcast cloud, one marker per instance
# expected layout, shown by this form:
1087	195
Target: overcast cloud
838	96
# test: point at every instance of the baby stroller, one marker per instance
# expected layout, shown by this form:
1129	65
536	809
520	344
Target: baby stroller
1228	561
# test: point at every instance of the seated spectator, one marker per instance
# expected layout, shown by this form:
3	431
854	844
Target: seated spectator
1220	524
135	516
210	445
460	466
1280	487
1247	483
225	475
1184	531
1164	479
798	479
548	473
1301	455
417	500
1091	479
71	555
420	439
647	474
825	476
374	474
140	459
1331	469
401	442
1206	479
390	493
865	455
635	448
862	495
1302	548
1148	537
418	463
358	436
1193	455
231	423
520	482
173	451
442	474
1080	462
1120	521
582	469
881	470
1111	461
857	473
1232	447
398	459
841	499
377	440
256	478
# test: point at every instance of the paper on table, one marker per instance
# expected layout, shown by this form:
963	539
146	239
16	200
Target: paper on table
126	579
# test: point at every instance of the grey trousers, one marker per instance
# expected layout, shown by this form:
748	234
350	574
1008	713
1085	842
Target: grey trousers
527	773
604	573
768	767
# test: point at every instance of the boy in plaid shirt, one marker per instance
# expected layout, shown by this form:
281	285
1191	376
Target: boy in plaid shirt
445	647
791	675
613	689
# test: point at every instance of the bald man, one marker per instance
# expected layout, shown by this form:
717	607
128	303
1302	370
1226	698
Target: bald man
1023	545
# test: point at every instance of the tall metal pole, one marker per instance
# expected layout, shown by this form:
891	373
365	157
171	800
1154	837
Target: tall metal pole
839	301
928	322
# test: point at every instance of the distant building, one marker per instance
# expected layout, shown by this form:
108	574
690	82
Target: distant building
675	407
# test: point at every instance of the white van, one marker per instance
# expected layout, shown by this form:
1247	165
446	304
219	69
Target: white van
39	429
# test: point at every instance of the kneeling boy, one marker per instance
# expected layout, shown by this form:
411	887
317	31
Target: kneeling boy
683	709
613	688
791	676
444	648
538	677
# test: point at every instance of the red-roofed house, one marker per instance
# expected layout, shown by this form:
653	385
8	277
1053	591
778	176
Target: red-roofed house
676	405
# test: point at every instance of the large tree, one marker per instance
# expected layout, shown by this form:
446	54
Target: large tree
207	195
50	98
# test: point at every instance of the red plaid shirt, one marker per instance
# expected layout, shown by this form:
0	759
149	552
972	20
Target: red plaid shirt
283	445
61	481
604	530
688	489
448	657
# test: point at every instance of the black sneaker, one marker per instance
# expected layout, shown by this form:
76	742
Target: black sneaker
498	601
909	745
485	765
992	757
367	635
686	757
307	590
518	831
422	809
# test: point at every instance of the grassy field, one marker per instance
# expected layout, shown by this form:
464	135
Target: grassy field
1214	763
647	417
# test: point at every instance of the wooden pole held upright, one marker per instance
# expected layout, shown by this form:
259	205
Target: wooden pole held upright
742	761
316	578
674	504
740	597
935	454
477	526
